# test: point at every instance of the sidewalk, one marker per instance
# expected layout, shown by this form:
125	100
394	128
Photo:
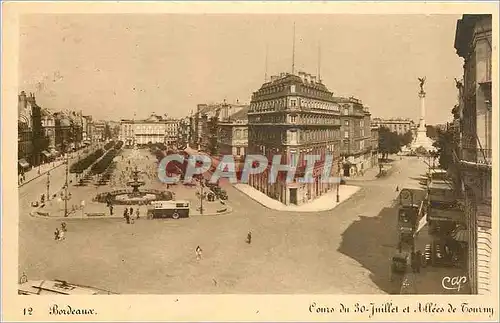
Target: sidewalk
39	171
323	203
430	279
43	169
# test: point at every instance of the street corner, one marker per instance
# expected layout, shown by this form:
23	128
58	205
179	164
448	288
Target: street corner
213	210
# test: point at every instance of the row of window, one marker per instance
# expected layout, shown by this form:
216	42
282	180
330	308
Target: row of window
293	136
296	119
281	104
293	89
319	135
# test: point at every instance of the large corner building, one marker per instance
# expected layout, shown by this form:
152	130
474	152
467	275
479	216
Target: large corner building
292	116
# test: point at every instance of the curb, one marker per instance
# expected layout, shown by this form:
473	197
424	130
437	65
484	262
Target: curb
227	211
298	211
37	214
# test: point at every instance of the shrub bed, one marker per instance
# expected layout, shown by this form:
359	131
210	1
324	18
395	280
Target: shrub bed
103	164
109	145
85	163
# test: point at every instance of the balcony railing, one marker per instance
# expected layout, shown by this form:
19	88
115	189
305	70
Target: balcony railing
476	155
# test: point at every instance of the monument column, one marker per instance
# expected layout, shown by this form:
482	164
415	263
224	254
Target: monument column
421	95
421	140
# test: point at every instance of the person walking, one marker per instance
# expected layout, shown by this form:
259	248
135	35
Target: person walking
249	237
131	213
125	215
413	262
198	252
137	213
418	261
61	235
63	227
56	234
111	209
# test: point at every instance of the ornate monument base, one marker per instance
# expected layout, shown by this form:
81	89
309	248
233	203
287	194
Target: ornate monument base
422	141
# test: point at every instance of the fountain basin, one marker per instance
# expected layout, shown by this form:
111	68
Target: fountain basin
131	197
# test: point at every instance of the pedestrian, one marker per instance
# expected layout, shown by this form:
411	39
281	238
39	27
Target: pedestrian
397	188
63	227
111	209
249	237
131	213
56	234
125	213
418	262
61	235
198	252
137	213
413	262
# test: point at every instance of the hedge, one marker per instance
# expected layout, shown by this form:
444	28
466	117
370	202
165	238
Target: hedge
104	162
85	163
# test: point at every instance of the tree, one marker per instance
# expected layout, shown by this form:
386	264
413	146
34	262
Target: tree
432	132
407	138
107	131
213	136
445	145
389	142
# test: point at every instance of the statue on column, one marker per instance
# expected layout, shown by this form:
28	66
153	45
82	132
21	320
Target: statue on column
422	82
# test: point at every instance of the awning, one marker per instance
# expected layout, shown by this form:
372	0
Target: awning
446	215
46	154
23	163
461	235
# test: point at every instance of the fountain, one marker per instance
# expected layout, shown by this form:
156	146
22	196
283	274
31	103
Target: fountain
136	183
136	196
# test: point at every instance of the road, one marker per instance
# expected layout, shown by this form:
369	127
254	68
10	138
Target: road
345	251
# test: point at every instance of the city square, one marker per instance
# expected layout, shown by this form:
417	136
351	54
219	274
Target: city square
158	256
410	154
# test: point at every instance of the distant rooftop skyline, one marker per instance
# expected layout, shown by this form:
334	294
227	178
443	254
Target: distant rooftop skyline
112	66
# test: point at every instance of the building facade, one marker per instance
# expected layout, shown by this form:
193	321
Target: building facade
399	125
293	116
183	133
204	123
155	129
31	140
171	132
473	42
374	144
356	143
233	134
24	132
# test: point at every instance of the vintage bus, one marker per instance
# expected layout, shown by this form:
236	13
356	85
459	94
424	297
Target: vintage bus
168	209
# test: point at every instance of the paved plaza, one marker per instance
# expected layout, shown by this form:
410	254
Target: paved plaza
346	250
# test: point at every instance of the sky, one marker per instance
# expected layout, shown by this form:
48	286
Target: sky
112	66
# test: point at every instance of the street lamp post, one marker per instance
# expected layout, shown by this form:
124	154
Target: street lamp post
201	196
338	184
48	185
66	184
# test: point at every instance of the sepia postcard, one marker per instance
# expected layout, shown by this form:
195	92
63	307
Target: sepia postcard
250	161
